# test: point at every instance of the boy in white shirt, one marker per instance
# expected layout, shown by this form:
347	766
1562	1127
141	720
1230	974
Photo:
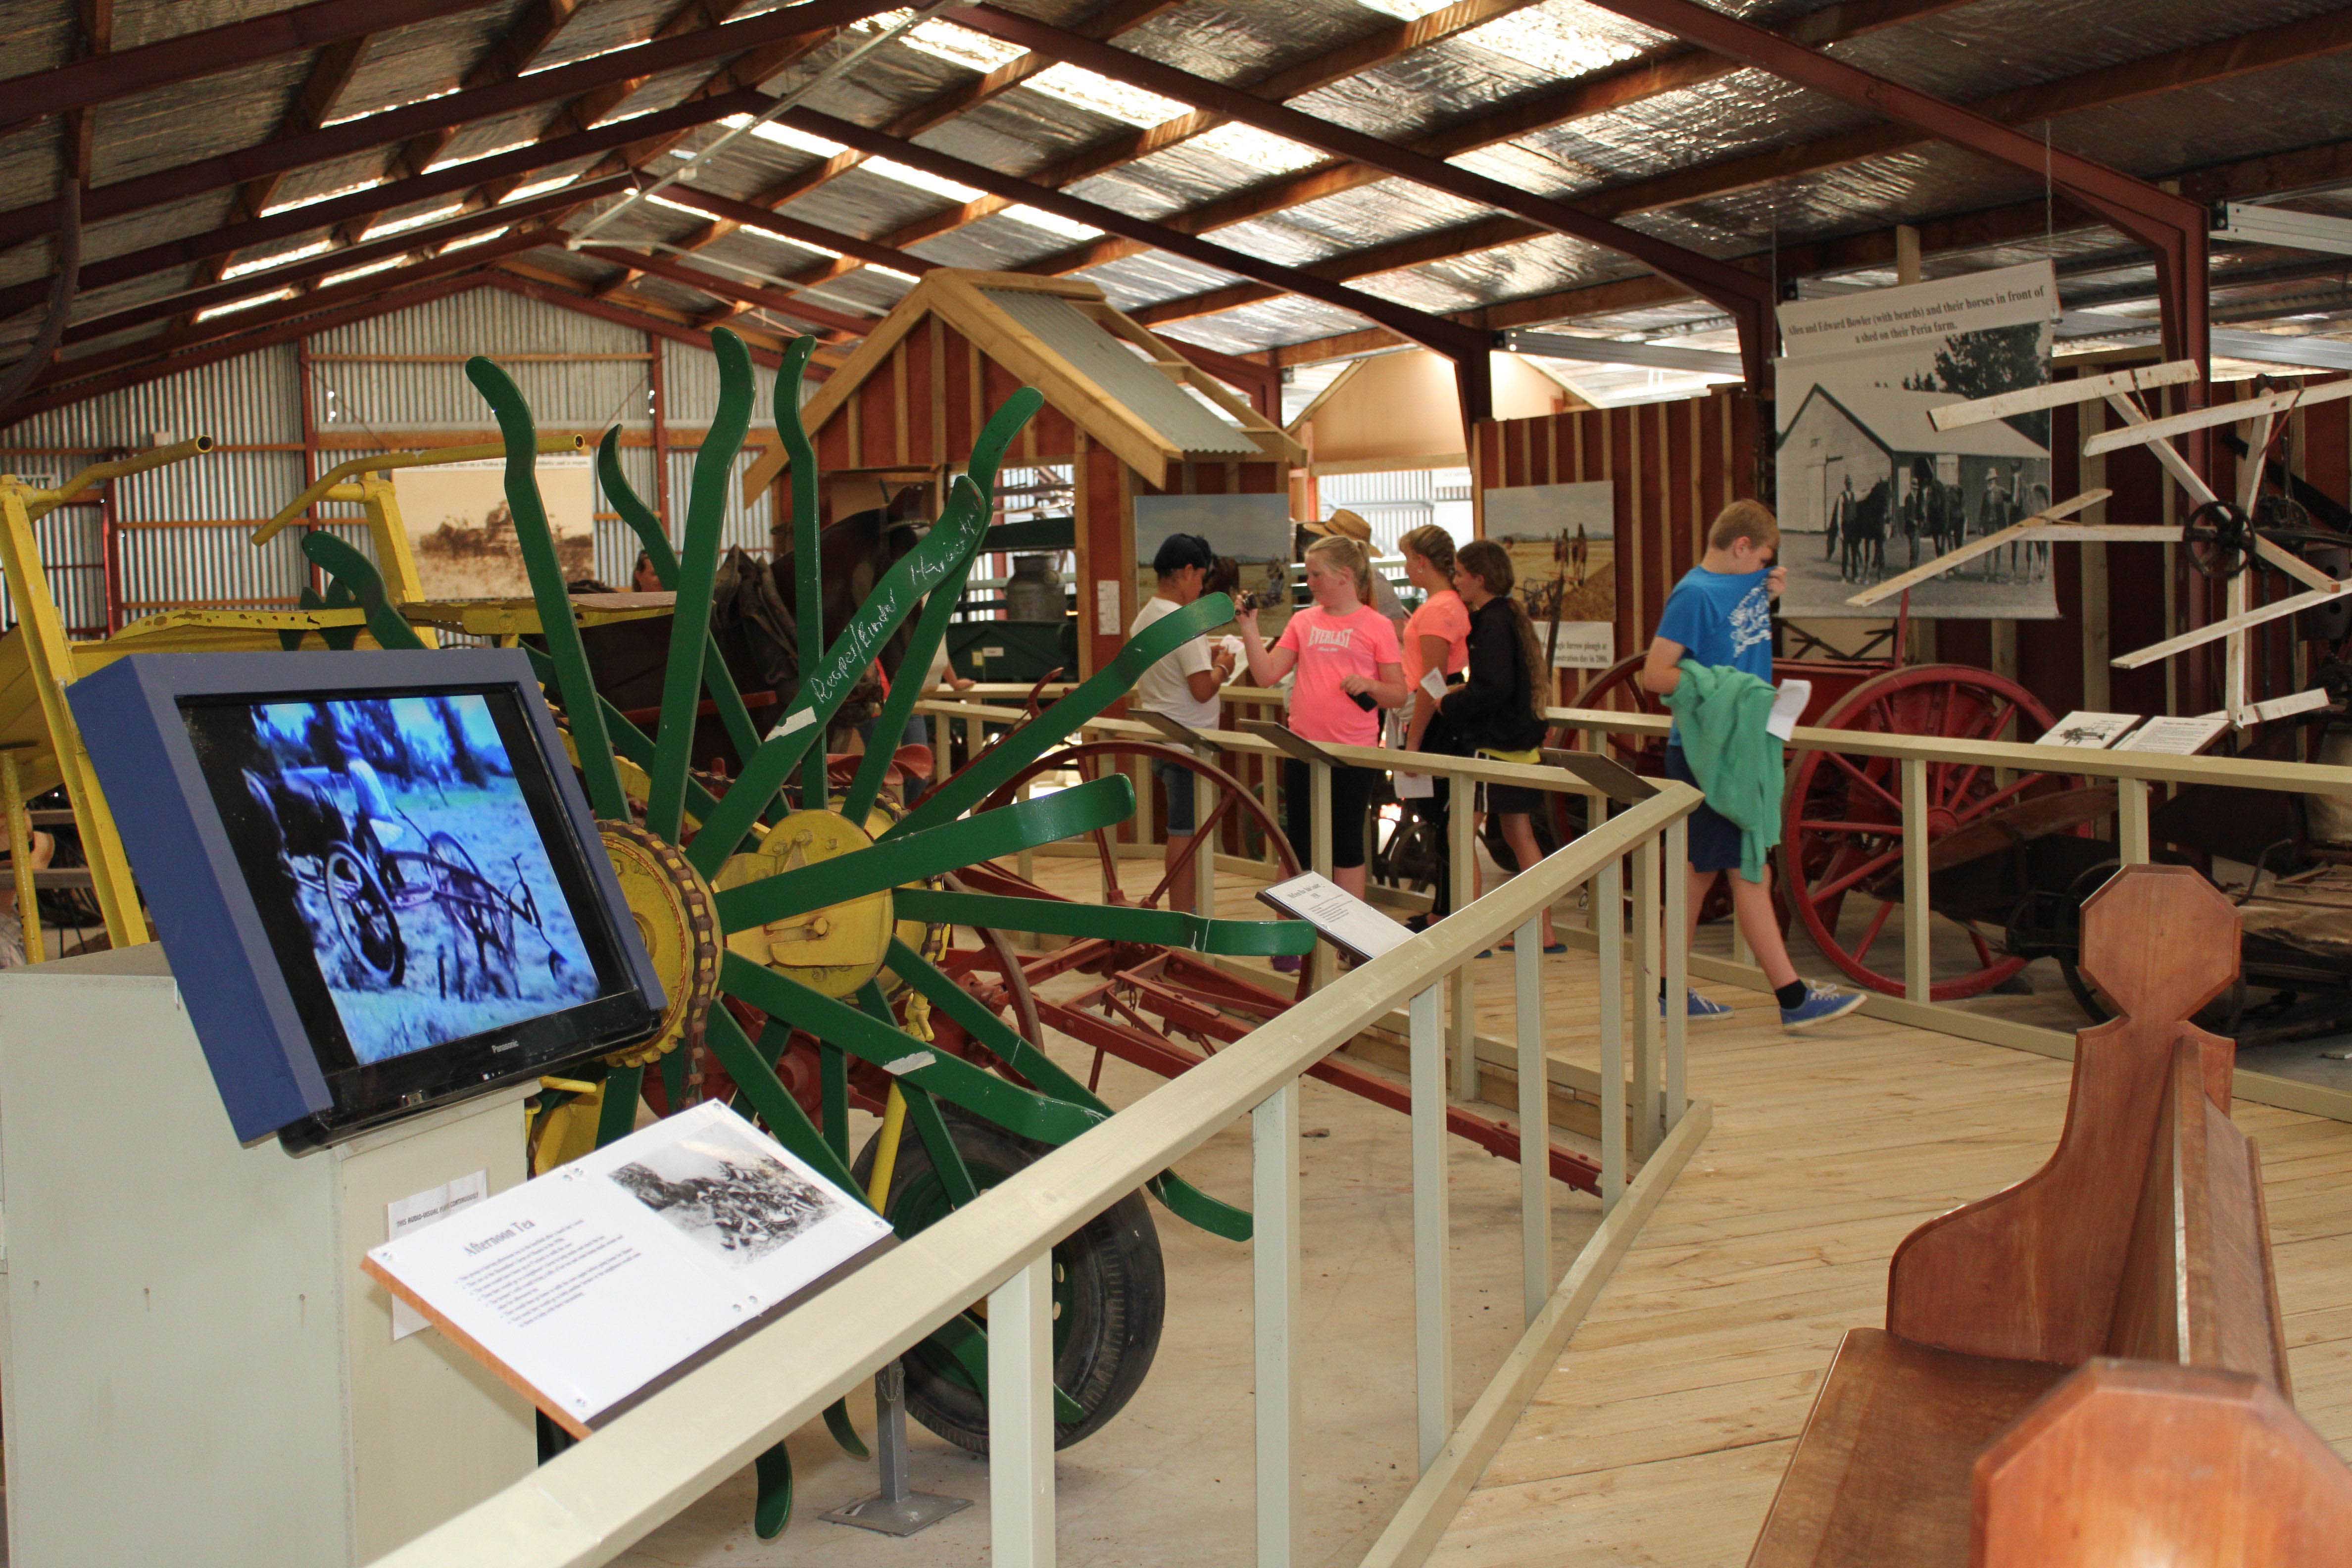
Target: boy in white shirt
1183	685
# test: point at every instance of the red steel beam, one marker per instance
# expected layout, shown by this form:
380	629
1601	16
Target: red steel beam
102	79
730	288
1467	348
1745	296
2172	226
354	136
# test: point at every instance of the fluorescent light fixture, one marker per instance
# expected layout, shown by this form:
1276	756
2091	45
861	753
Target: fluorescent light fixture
353	273
264	263
538	188
418	220
276	207
438	165
246	304
2250	224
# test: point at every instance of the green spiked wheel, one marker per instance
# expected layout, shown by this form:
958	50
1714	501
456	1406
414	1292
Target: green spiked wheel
811	903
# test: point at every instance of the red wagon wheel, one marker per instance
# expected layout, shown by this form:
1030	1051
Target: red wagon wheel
1615	691
1092	757
1843	828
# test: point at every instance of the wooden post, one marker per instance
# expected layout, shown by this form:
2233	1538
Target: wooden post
1461	872
1918	970
20	856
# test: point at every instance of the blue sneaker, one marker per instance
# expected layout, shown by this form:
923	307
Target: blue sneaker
1821	1004
1698	1010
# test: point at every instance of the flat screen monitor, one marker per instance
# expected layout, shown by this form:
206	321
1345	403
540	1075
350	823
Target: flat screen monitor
374	874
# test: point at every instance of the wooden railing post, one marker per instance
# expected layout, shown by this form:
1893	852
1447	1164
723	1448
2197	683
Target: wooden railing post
1433	1314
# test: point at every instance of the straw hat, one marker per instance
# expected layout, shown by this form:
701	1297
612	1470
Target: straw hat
1344	524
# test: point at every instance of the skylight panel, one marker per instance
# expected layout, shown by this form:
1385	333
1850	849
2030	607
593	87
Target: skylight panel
906	175
1404	10
1115	99
247	304
1551	43
1261	150
263	263
471	239
957	46
1052	223
783	136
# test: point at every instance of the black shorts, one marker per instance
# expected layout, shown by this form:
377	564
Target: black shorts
1511	800
1714	839
1352	794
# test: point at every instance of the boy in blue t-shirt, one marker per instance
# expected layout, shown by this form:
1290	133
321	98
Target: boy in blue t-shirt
1720	615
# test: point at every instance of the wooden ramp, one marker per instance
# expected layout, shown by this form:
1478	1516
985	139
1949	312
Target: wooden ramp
1661	1436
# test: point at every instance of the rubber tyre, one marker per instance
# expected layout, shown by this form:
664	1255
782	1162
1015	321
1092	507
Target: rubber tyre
1110	1290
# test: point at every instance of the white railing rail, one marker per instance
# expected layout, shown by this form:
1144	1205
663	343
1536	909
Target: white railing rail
595	1500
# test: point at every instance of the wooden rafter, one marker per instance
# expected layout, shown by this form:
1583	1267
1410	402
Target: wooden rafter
105	78
621	69
1615	88
2094	90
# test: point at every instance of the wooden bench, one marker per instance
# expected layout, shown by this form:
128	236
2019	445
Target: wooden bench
2143	1237
2134	1461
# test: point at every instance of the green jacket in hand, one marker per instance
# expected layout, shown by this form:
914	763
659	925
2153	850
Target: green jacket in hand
1720	713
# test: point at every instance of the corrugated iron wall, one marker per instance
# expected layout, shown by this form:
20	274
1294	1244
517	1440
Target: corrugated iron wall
177	537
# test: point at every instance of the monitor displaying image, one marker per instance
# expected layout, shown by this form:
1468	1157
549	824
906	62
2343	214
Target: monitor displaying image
393	832
375	876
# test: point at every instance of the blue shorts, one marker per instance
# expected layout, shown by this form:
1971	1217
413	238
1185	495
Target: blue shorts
1714	839
1177	780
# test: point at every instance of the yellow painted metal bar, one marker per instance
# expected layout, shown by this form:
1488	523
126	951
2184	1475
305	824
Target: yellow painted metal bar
886	1153
20	856
50	663
383	462
38	504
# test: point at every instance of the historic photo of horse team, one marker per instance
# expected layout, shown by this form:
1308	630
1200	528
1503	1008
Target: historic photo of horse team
1869	488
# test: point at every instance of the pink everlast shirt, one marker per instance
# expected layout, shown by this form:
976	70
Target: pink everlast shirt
1330	649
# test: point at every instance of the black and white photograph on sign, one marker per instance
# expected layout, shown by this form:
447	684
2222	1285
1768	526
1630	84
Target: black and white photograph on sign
725	1194
1562	543
1249	534
1867	485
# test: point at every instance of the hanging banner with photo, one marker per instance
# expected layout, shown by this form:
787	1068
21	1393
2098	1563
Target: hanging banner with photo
1868	486
1562	544
463	536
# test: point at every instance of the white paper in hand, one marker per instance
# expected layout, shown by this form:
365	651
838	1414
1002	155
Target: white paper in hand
1413	787
1789	706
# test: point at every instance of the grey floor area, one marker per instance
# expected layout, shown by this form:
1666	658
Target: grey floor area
1169	1481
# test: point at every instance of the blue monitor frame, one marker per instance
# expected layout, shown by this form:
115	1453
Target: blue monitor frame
262	1028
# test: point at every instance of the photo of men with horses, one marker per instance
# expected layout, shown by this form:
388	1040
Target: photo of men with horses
727	1195
1867	487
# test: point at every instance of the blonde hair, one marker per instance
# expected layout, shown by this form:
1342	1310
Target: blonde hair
1433	544
1748	520
1348	556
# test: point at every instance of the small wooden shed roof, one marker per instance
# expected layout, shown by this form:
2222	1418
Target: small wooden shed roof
1128	389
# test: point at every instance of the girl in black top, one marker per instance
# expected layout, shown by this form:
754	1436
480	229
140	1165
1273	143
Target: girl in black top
1496	708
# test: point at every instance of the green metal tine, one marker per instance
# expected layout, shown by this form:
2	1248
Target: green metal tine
823	688
547	586
950	847
808	549
995	436
1182	1199
344	564
697	568
1099	691
1113	922
716	677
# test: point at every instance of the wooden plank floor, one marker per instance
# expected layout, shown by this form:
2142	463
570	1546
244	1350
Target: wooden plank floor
1661	1436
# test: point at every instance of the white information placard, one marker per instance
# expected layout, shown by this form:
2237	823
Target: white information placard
1343	919
2175	737
2089	729
587	1286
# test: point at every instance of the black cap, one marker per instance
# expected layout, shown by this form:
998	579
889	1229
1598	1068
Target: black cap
1179	550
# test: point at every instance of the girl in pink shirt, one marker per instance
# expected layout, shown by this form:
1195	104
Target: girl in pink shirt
1340	650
